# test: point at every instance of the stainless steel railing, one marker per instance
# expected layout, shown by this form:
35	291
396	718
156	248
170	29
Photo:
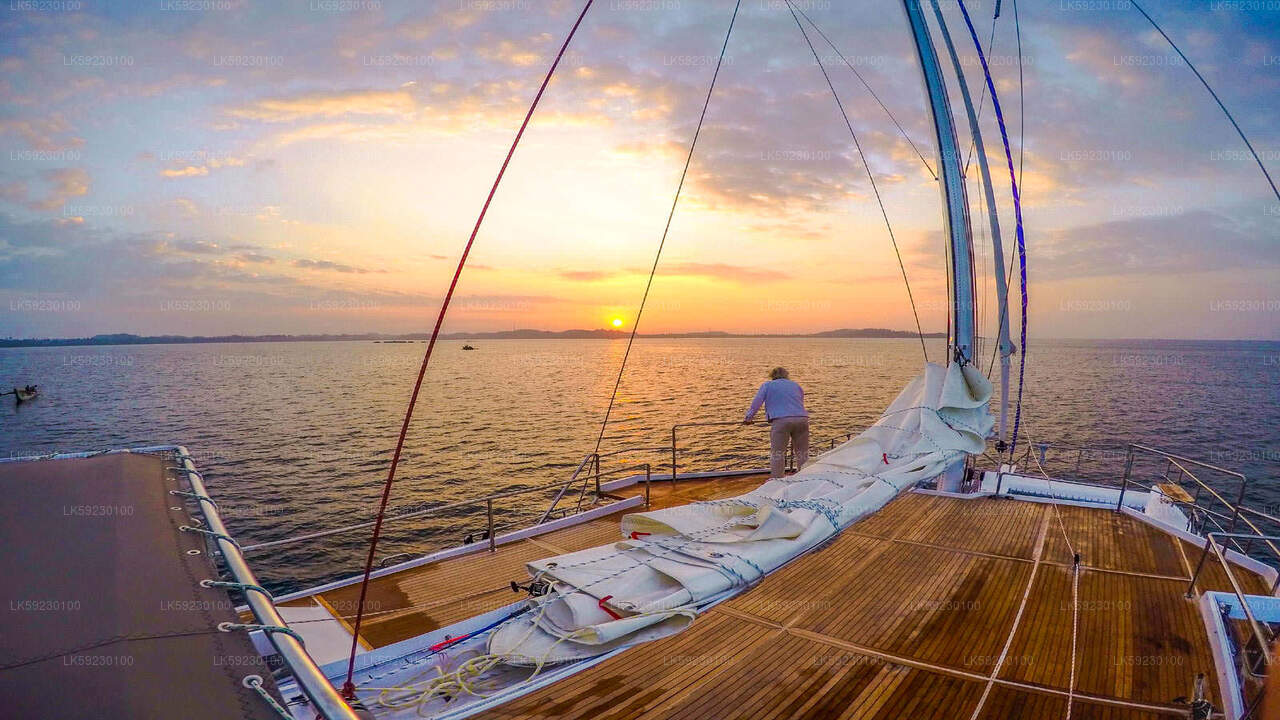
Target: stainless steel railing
590	464
1262	633
1228	511
324	698
788	462
592	460
487	500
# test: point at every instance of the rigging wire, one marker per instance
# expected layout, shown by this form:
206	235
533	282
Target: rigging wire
348	687
982	97
868	87
880	201
1017	209
1022	97
1004	310
604	424
1217	99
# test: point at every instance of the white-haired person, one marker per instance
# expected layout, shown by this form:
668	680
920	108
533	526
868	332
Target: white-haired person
783	401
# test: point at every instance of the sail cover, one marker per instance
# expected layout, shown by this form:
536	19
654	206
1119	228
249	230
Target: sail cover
676	561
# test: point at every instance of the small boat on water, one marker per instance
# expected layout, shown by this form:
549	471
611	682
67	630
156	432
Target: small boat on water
467	347
23	394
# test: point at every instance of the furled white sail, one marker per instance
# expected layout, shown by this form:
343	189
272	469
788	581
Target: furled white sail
675	561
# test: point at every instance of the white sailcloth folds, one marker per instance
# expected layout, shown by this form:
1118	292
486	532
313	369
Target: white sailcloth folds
674	562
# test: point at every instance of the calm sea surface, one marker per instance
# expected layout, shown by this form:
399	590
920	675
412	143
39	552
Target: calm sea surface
296	437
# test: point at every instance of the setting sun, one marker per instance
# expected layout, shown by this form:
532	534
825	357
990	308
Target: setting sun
616	322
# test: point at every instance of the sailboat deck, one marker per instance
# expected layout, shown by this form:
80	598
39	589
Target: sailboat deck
421	599
935	607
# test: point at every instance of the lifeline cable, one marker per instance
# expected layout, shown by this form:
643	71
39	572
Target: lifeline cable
667	229
1211	92
867	167
1017	210
348	687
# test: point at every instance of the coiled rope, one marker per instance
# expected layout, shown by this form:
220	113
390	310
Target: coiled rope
348	688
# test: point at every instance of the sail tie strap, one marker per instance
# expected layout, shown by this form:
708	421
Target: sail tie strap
243	587
269	629
254	682
210	533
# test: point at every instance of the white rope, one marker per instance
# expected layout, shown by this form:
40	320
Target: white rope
1075	572
467	677
1075	627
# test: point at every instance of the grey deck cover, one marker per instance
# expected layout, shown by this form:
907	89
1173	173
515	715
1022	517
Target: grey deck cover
102	616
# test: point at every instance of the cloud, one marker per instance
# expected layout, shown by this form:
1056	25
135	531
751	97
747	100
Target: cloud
51	133
588	275
15	191
63	184
308	264
720	271
188	171
328	105
1168	241
255	257
199	247
212	163
709	271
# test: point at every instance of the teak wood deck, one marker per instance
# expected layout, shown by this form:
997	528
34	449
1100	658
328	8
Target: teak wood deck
935	607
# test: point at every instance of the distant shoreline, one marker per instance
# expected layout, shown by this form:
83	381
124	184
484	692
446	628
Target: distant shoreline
602	334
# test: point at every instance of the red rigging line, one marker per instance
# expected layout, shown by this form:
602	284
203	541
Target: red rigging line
348	687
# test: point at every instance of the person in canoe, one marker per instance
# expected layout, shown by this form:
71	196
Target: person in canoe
783	401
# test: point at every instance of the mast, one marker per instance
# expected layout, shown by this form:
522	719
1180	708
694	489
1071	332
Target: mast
956	215
1002	281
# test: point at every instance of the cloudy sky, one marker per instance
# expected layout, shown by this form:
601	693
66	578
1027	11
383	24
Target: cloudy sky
316	166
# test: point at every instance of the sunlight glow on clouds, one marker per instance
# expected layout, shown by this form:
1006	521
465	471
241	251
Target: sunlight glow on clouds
319	171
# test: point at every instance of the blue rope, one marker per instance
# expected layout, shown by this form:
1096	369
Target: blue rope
819	506
1017	210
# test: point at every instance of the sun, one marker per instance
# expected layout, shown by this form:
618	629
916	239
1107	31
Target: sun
616	322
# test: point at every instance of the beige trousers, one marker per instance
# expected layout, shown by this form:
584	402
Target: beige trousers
781	430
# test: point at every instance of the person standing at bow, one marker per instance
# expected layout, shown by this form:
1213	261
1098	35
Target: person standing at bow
783	401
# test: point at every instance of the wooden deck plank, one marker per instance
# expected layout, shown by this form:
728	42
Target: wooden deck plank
901	616
917	602
1213	577
1006	527
449	591
1111	541
1010	703
1139	638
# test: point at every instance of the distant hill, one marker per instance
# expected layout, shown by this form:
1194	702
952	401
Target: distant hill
603	333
